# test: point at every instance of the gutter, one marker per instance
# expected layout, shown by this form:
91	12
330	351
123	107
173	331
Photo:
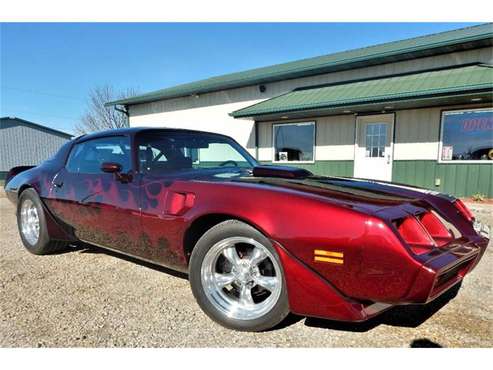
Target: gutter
123	110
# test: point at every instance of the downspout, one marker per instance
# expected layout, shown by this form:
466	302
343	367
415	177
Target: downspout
124	111
255	125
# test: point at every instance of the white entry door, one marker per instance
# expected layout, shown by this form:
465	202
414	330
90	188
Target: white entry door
373	147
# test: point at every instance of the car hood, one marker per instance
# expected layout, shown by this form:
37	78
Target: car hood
368	195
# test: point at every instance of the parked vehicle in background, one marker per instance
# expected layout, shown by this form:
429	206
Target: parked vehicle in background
256	241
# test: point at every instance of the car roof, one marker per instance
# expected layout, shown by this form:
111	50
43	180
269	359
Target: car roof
136	130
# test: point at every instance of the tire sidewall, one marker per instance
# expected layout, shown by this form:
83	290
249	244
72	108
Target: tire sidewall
44	239
226	229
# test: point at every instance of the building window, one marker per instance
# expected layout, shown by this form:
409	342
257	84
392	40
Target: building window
294	142
467	135
376	138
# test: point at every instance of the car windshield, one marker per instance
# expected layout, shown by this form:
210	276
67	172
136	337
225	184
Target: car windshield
185	151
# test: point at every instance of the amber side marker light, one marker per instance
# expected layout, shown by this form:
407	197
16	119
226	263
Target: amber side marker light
321	255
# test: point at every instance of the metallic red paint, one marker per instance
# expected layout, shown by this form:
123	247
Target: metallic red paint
148	217
436	228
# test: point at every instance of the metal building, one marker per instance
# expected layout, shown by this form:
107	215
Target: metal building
25	143
417	111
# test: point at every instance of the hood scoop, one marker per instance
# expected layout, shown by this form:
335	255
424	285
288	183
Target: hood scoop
285	172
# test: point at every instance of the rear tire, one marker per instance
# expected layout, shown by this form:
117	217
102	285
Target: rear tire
237	278
31	222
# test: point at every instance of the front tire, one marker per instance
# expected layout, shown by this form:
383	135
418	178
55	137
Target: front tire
237	278
31	222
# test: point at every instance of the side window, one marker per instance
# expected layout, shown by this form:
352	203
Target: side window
149	154
217	153
160	153
88	156
181	151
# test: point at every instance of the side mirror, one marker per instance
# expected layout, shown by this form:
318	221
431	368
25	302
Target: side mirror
111	167
116	168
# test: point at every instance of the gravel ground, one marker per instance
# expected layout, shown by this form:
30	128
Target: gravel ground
91	298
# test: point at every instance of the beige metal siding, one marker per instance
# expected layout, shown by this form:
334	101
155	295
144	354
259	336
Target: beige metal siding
214	119
416	134
335	138
265	141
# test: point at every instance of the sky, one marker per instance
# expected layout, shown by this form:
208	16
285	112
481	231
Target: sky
48	69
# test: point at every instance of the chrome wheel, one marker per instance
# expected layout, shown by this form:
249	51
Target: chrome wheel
30	222
241	278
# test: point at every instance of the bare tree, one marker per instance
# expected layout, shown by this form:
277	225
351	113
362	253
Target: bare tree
98	117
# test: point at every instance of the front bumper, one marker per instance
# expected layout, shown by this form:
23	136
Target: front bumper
310	294
444	270
435	277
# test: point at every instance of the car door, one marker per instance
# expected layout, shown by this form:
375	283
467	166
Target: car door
160	163
101	207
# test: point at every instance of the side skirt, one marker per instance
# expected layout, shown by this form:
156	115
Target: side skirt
118	251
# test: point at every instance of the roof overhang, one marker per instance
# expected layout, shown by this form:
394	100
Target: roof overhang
470	84
388	106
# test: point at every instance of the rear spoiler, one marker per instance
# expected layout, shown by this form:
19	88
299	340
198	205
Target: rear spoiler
15	171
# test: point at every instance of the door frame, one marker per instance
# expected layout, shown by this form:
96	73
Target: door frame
392	134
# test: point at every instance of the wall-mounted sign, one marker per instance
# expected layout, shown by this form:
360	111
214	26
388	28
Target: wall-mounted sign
447	152
283	156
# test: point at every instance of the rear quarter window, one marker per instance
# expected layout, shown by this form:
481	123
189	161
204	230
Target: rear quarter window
88	156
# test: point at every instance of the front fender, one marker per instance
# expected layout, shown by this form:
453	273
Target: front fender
357	253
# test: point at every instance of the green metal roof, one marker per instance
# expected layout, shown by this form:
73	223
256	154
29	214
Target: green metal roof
412	86
460	39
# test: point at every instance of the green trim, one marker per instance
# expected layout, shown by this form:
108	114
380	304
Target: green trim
325	168
443	42
461	179
446	82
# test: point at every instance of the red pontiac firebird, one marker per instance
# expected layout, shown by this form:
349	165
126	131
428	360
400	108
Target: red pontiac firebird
257	241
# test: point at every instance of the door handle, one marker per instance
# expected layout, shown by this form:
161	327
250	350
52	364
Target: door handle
58	184
388	158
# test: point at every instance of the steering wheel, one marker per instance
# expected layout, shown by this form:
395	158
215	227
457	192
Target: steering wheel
228	161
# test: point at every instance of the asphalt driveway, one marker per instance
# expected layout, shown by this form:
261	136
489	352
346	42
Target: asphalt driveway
91	298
